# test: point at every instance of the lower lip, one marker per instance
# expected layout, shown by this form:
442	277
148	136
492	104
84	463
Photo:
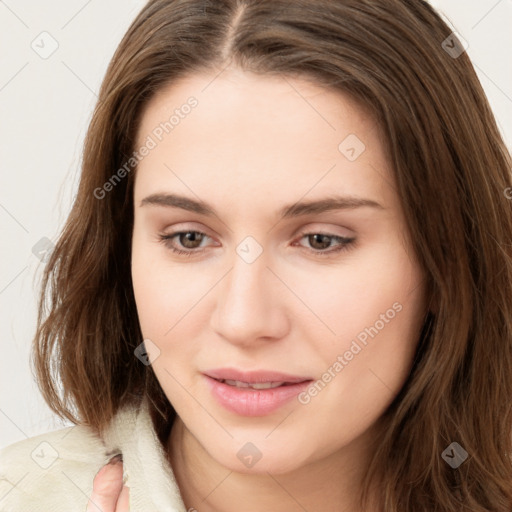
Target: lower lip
254	402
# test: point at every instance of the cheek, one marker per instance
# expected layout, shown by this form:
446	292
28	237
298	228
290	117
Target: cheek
378	289
146	275
164	293
165	298
377	319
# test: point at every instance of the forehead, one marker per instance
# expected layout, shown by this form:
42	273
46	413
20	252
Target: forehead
248	131
236	99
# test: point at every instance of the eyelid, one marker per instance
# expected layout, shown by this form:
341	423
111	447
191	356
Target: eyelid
308	230
184	227
328	228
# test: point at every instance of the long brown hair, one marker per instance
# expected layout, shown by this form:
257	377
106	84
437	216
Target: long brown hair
452	174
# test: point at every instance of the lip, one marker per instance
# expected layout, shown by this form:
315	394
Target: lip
251	402
254	377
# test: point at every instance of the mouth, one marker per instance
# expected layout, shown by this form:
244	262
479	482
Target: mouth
254	385
256	393
266	378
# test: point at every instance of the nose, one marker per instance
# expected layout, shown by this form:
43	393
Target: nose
250	306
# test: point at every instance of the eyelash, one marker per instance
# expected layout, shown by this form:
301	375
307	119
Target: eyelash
346	243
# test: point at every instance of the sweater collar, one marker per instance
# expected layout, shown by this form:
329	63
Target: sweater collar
147	472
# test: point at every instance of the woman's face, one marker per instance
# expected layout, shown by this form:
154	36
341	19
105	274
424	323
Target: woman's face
294	276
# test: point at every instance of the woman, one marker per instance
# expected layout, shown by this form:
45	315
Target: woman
286	281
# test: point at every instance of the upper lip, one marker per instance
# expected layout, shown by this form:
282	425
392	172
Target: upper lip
253	377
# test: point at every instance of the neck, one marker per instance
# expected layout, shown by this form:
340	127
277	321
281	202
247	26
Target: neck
331	483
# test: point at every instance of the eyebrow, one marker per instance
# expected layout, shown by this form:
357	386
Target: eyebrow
289	211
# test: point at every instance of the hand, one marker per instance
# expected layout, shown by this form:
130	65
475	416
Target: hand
108	492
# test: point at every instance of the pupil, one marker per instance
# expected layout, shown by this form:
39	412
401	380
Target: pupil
323	240
190	238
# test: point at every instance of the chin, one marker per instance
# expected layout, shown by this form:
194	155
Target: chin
269	459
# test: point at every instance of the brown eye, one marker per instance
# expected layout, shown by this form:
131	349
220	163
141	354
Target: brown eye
190	239
325	244
319	241
186	243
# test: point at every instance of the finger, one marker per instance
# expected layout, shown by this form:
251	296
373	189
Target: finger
106	488
123	503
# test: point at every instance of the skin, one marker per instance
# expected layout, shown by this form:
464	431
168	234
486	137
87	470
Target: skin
109	494
252	145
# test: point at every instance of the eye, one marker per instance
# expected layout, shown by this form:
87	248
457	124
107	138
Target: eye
190	240
319	242
188	243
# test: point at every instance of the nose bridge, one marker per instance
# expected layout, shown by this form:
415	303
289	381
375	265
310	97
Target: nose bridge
246	307
244	289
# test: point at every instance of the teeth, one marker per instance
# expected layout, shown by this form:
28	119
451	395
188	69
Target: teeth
237	383
254	385
266	385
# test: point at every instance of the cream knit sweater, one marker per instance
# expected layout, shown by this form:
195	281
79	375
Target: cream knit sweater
54	472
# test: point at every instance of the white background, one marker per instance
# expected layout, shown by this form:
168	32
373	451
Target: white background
45	107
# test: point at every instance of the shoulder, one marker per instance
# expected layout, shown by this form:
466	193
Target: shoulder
51	472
